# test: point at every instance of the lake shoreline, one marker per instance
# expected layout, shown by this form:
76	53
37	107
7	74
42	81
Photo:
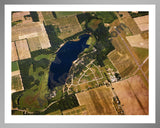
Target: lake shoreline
66	55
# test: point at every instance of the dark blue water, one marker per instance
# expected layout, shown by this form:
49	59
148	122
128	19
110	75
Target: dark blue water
65	56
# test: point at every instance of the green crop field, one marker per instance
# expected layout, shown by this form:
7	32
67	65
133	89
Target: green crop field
142	53
48	18
15	66
17	83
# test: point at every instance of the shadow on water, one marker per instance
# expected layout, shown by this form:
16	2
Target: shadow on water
65	56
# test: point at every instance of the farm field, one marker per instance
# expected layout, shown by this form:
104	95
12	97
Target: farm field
58	112
131	24
145	35
14	112
17	84
23	50
80	110
137	41
34	44
133	95
142	53
14	73
121	58
15	66
63	14
68	26
145	68
142	22
31	30
98	101
48	17
14	52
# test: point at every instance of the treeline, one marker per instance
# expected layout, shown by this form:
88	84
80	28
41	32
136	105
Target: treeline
53	37
34	16
140	13
103	44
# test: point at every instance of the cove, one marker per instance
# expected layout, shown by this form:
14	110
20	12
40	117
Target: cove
64	57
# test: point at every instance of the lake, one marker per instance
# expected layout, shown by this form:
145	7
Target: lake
64	57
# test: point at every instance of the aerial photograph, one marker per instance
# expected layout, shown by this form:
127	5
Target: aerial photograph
80	63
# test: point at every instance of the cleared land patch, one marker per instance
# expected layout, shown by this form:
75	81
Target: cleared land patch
23	50
133	95
14	52
98	101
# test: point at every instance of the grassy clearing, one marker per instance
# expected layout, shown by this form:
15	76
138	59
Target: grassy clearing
15	66
93	24
108	17
91	40
142	53
39	57
62	14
